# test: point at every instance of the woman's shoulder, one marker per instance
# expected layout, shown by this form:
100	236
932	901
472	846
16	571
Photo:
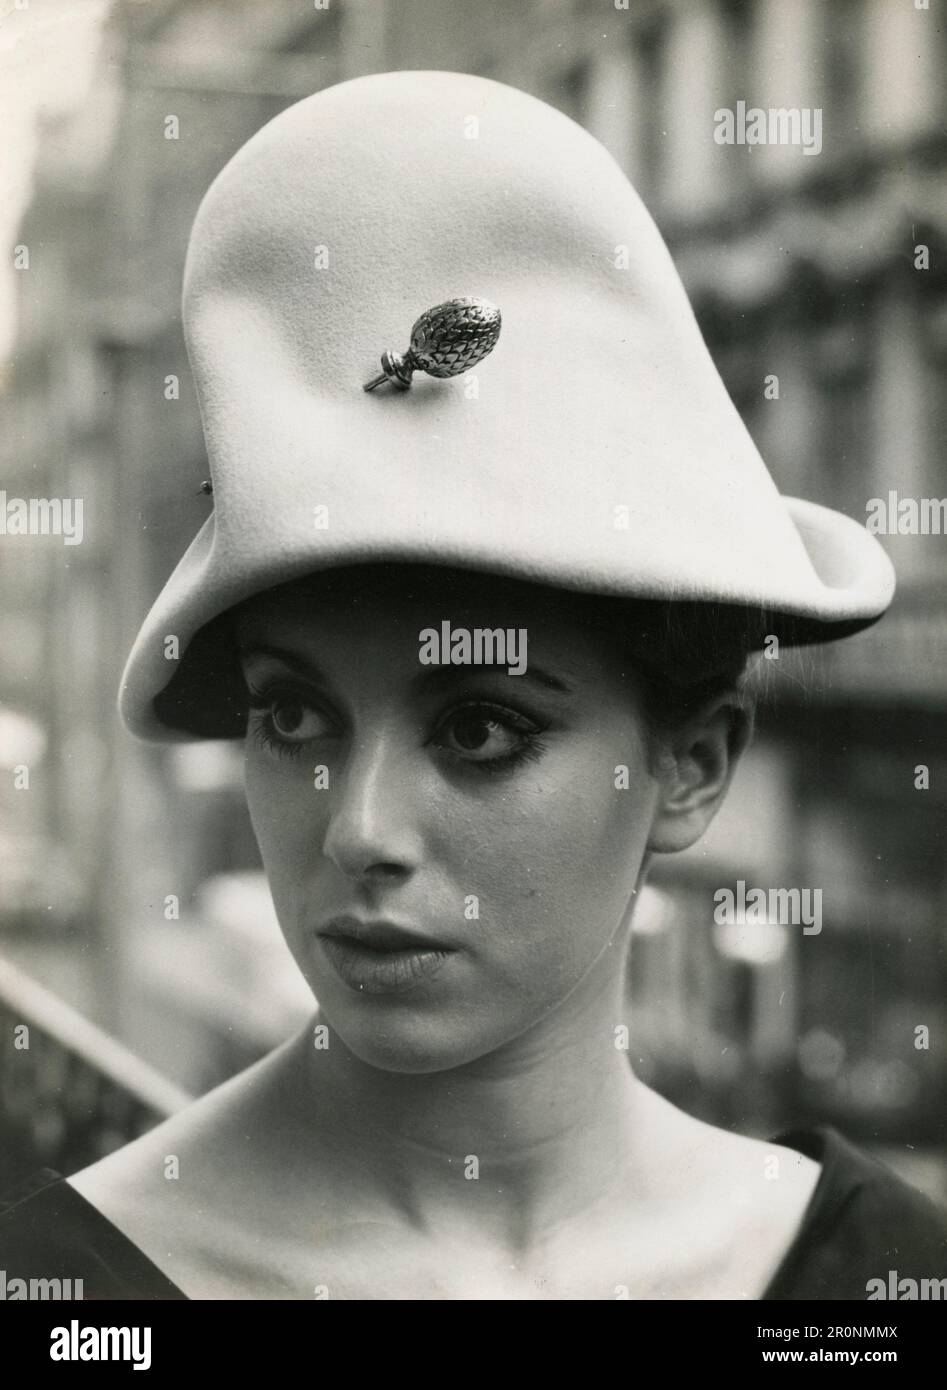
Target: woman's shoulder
104	1231
197	1139
154	1180
176	1190
56	1245
866	1232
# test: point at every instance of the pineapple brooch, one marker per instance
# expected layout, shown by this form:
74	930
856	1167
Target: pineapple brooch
445	341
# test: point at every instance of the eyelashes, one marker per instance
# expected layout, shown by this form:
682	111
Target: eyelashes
264	738
262	725
519	737
479	735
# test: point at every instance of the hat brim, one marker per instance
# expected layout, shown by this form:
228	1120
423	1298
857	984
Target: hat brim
203	696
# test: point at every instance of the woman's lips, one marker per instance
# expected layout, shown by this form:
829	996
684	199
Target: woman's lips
376	972
378	957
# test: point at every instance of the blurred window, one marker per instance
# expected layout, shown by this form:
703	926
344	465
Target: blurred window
844	31
651	45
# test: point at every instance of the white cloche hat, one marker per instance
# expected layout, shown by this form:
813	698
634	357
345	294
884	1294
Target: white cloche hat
592	447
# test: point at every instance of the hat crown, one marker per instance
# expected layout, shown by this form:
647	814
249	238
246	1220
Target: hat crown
591	445
354	210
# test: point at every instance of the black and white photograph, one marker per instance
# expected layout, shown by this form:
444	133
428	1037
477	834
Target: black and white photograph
473	660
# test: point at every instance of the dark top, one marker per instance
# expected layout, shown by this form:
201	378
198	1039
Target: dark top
862	1223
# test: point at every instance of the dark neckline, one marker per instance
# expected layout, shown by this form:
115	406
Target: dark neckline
822	1143
149	1280
829	1148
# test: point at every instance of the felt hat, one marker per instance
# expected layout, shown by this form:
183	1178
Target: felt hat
594	448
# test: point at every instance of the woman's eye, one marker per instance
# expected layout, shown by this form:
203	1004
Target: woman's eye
482	734
294	720
286	718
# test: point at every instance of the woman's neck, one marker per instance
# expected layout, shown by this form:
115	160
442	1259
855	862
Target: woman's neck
538	1130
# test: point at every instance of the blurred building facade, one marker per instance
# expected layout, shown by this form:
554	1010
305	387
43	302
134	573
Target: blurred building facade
144	903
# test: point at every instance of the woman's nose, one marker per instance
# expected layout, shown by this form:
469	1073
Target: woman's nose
370	830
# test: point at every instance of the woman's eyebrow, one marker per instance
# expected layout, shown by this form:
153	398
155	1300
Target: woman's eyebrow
454	675
288	658
426	678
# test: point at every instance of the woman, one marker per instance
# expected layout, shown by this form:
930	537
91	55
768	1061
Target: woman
482	627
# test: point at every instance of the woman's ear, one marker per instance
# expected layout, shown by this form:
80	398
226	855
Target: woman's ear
698	761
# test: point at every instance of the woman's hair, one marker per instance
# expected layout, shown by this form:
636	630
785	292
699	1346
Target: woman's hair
684	656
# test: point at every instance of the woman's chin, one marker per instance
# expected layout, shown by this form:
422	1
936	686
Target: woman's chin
405	1042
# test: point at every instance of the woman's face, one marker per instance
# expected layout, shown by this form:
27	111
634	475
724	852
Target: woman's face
449	856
